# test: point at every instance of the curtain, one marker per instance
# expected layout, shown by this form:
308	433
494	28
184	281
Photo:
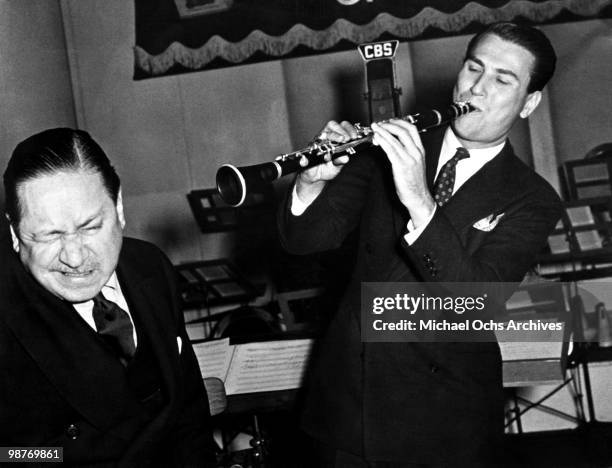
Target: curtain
176	36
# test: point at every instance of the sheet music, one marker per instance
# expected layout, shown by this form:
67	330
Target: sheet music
559	243
212	272
519	299
588	240
549	346
214	357
267	366
580	215
518	351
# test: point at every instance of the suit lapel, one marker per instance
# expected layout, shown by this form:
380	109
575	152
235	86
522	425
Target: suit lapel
67	351
142	293
486	193
69	354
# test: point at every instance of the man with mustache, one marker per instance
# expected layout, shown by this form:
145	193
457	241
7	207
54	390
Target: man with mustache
94	357
452	205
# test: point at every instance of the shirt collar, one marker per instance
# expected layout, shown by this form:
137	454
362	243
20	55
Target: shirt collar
451	142
113	282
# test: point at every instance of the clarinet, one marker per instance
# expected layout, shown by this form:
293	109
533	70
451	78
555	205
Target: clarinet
234	183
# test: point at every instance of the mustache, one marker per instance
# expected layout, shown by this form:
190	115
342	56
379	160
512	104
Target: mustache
84	269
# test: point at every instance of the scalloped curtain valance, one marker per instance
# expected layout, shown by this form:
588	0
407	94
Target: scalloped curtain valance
176	36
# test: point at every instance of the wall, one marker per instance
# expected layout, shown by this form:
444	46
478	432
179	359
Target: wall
581	98
35	89
169	135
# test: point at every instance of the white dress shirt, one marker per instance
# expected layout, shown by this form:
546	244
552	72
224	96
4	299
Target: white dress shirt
465	169
112	292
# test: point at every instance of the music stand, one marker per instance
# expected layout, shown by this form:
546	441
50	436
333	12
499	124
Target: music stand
214	215
543	369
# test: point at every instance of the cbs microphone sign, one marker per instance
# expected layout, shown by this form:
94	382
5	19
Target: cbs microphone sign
378	50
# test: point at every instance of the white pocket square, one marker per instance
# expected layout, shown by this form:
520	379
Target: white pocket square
179	342
488	223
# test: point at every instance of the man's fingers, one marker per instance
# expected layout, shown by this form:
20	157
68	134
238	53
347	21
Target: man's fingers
341	160
350	129
406	136
327	158
413	134
387	141
340	132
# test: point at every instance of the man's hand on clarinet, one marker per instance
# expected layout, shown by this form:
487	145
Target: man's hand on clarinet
310	182
402	144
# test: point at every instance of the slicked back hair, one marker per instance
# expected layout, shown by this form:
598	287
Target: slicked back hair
529	38
52	151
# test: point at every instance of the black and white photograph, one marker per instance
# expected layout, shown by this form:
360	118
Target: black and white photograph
306	233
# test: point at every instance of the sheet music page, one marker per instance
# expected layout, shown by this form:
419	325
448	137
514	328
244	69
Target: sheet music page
549	346
214	357
267	366
519	299
517	351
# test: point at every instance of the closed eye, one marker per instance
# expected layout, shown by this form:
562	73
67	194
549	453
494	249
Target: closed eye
93	228
47	238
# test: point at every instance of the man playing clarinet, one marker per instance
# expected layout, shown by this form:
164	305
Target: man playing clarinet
452	205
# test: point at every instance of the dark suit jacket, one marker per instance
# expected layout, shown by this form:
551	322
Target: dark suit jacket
417	402
60	387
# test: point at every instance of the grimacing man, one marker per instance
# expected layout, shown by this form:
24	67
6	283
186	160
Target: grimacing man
93	350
